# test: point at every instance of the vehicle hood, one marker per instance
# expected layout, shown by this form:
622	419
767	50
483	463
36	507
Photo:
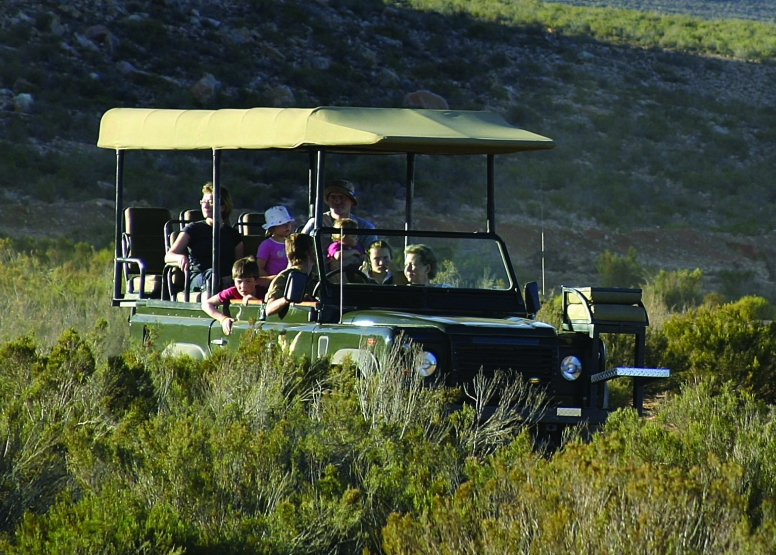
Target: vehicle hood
448	324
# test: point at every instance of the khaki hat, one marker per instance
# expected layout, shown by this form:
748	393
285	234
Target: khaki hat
341	186
277	215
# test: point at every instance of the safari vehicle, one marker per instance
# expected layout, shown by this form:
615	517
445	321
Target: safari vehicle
473	318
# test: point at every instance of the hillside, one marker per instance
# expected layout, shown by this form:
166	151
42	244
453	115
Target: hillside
707	9
668	151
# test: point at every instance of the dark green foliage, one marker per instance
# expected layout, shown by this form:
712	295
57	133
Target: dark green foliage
697	479
735	284
242	453
729	343
619	271
678	289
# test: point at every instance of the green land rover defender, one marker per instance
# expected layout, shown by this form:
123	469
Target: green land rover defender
472	319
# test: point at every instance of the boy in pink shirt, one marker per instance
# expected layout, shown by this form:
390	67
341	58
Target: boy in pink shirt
245	274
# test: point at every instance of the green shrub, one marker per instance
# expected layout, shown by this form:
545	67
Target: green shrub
630	490
679	289
729	343
619	271
655	479
252	451
735	284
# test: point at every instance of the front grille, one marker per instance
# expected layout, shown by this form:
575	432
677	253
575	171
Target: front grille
531	360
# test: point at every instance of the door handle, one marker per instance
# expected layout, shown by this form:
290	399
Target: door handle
221	342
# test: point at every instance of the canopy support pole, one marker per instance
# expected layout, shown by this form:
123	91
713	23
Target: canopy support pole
215	278
311	173
491	201
410	194
119	212
319	186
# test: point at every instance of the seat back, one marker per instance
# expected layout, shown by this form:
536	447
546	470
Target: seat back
143	249
188	216
176	282
250	223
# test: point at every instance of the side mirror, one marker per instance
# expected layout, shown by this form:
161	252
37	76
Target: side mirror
295	287
532	301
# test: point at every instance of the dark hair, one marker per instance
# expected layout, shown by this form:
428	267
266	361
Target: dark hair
298	248
381	245
427	257
226	199
245	268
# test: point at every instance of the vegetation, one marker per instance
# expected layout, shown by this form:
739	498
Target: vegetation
707	9
685	482
253	452
619	271
50	285
115	450
749	40
245	452
733	343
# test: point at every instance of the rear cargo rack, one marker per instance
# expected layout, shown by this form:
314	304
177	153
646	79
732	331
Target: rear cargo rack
599	310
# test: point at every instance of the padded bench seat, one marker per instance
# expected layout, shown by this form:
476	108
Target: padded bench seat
603	305
607	313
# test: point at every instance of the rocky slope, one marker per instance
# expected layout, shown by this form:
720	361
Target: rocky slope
63	64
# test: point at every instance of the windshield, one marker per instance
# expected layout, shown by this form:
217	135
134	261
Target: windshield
449	260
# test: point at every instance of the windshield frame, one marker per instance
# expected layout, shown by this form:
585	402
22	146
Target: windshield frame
434	298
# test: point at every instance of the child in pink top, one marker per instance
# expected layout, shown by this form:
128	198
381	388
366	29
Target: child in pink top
271	255
345	250
245	273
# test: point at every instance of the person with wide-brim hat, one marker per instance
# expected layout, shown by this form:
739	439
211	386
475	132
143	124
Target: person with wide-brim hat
340	196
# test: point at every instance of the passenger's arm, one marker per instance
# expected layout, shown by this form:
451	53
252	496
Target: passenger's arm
398	273
178	253
275	298
308	227
209	306
239	251
277	306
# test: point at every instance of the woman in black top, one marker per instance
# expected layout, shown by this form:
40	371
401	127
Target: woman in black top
193	247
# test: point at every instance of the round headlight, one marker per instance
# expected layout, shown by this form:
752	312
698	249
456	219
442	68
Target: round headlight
571	368
427	365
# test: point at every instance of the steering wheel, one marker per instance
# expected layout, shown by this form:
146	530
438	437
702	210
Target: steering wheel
353	275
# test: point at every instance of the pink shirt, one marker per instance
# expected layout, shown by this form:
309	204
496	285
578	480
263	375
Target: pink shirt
229	294
336	246
275	255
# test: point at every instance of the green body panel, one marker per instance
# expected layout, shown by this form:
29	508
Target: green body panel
448	324
183	328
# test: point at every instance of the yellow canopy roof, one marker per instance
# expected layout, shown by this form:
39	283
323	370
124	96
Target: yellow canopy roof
338	128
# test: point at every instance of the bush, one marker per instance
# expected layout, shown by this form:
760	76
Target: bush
679	290
727	343
735	284
619	271
245	452
638	487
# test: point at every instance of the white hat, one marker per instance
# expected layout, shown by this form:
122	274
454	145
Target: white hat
277	215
